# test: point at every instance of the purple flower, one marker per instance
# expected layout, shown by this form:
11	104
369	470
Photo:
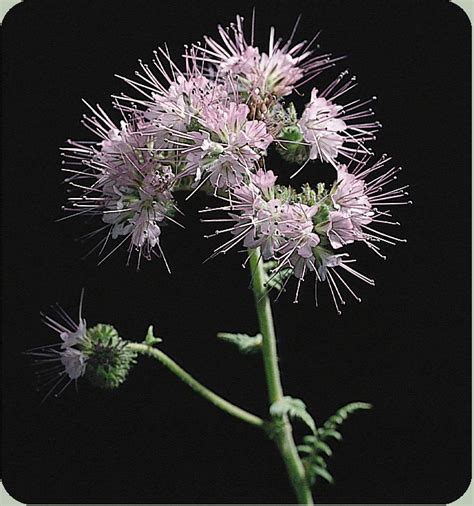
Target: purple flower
181	100
209	125
129	182
64	362
274	72
334	130
265	180
228	146
283	230
300	240
360	200
340	230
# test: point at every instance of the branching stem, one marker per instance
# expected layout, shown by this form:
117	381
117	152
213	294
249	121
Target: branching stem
211	396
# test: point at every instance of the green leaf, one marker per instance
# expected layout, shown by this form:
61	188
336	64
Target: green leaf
343	413
324	473
245	343
315	448
277	280
318	461
305	449
294	408
324	447
150	338
325	433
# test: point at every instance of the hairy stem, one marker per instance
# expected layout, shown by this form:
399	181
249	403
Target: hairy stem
283	436
211	396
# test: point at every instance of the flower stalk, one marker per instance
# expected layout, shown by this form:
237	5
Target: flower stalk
283	436
199	388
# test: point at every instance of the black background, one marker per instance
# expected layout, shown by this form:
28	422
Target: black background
406	348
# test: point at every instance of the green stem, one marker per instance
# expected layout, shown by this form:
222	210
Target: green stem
284	436
215	399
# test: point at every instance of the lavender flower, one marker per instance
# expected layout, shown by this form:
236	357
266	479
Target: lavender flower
179	103
331	129
130	182
64	362
276	72
302	232
227	146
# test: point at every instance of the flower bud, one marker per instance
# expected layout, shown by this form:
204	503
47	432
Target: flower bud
292	146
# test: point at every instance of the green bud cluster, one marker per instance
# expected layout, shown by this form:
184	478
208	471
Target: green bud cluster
108	358
309	196
285	193
294	150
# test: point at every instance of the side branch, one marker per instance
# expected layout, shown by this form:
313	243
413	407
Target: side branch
211	396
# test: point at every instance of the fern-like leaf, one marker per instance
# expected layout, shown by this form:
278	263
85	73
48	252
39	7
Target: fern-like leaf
275	280
315	449
294	408
245	343
343	413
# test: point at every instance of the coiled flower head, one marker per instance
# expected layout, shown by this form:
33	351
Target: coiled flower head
302	232
97	353
210	125
130	181
275	72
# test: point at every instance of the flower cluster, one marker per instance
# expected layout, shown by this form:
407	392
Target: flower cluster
98	353
209	125
304	231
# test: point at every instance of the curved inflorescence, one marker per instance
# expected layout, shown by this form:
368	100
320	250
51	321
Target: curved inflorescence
209	127
97	353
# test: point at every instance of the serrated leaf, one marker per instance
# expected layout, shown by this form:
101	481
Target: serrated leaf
294	408
245	343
